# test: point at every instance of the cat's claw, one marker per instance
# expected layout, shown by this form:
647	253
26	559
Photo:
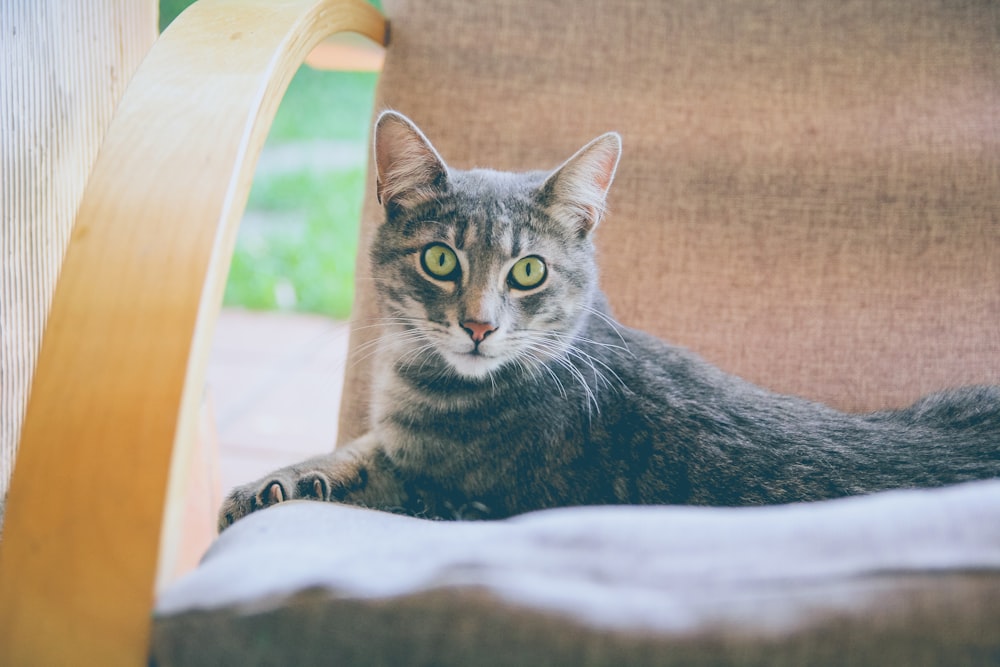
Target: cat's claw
256	496
275	494
313	486
253	497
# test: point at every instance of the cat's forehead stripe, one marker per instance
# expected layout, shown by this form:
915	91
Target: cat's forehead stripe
462	234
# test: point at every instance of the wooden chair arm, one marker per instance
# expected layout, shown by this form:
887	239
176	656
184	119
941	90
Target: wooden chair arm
120	376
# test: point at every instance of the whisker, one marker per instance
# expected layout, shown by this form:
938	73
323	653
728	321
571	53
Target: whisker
592	360
401	336
571	338
562	360
572	349
540	363
412	356
542	355
555	378
609	321
374	346
382	322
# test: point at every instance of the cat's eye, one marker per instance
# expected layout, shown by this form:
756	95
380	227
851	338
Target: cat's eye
528	273
440	261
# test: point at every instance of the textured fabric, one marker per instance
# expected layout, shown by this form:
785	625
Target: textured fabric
808	195
899	578
63	65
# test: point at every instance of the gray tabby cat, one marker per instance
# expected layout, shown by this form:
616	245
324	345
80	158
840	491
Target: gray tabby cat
504	385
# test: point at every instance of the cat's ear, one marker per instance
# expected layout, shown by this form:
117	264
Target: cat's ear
575	194
407	168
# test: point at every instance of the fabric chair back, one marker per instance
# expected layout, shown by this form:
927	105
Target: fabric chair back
809	194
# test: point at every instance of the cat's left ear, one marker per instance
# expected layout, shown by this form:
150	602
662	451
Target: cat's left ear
576	193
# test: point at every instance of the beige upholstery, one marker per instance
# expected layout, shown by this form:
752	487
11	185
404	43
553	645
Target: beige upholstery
808	193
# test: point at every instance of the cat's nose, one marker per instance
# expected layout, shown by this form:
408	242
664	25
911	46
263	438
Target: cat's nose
478	331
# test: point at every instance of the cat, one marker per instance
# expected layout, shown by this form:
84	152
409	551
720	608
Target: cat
503	384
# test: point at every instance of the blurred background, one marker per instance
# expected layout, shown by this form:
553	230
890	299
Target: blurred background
277	364
296	246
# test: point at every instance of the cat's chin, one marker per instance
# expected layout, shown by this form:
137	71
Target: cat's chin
473	366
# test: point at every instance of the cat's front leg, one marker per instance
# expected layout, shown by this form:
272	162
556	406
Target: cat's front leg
359	474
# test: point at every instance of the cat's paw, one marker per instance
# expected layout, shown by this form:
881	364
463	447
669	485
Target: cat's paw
275	488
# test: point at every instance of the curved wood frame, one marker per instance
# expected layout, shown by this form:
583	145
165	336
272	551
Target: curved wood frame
120	376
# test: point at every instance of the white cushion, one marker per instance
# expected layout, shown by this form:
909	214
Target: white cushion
764	572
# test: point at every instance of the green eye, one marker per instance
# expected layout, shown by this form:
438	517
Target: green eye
527	273
440	262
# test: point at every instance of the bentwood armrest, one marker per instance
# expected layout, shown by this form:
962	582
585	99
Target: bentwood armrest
121	369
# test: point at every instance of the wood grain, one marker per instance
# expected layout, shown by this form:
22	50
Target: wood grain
120	376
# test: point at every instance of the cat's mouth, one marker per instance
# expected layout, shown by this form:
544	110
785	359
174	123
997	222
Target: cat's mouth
473	363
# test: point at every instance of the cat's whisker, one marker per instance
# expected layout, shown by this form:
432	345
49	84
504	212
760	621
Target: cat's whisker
599	377
592	360
407	362
555	378
378	340
559	356
575	350
610	322
521	359
591	396
369	347
400	336
428	349
569	341
384	322
412	356
532	365
374	346
589	341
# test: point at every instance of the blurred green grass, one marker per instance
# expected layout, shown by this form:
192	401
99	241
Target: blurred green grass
297	242
296	246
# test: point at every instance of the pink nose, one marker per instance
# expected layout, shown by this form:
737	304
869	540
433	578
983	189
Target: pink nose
478	331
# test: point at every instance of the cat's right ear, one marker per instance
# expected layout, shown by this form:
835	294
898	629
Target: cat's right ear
408	170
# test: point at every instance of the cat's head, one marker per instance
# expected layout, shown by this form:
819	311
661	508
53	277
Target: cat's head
481	270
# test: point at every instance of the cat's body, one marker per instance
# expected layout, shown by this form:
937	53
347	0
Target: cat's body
504	385
638	421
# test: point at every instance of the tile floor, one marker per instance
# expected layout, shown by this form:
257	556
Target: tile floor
273	391
274	380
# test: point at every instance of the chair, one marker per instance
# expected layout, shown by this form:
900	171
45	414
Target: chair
120	375
807	198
